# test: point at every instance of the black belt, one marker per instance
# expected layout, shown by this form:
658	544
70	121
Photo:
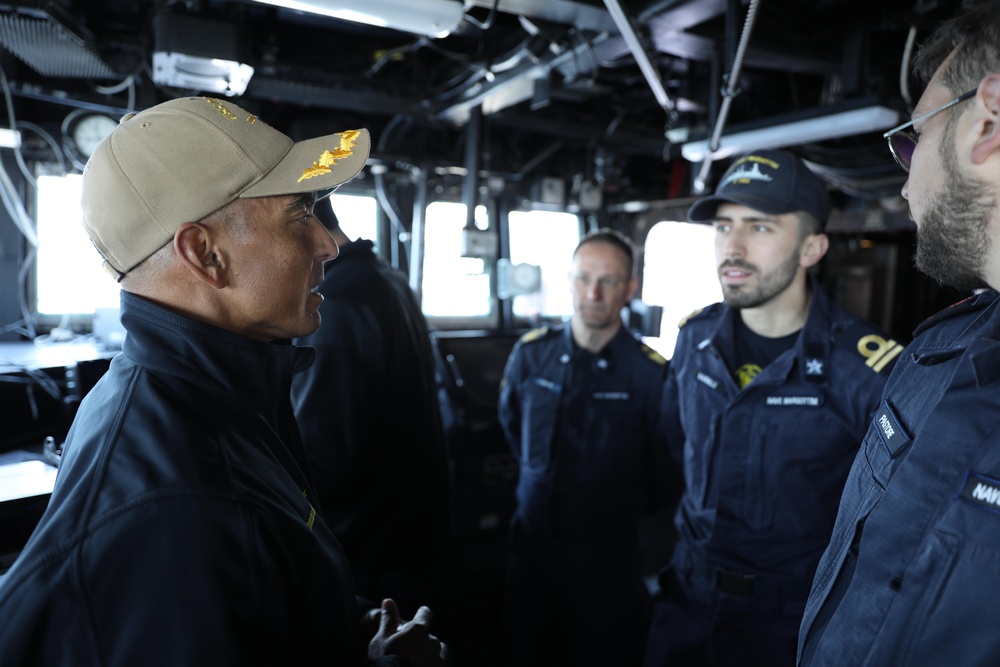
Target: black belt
727	581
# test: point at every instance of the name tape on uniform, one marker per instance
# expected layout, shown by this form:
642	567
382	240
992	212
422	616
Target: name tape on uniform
981	490
894	437
810	401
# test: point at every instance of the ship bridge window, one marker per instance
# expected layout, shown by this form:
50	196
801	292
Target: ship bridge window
69	278
679	274
357	215
65	250
453	286
547	240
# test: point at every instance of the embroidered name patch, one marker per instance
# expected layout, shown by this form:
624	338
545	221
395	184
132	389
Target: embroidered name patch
794	401
707	380
894	438
546	384
981	490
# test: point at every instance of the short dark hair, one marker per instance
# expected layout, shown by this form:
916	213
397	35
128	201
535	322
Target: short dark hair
614	238
323	210
809	224
973	34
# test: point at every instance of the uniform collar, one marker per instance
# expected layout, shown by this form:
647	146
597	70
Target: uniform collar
213	358
569	349
976	302
812	347
952	330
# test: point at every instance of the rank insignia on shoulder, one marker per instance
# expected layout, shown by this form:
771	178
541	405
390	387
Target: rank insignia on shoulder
693	313
878	351
534	334
655	356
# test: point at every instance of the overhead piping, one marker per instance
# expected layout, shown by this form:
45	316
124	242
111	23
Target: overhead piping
639	53
728	94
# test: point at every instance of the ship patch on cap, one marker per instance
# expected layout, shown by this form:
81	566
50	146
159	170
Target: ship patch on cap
741	173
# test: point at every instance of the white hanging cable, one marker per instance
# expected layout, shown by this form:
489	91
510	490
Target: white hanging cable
8	193
904	68
129	83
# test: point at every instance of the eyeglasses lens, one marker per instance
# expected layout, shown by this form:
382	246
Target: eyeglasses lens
902	145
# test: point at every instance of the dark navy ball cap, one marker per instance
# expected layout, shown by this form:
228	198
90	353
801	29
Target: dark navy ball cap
772	182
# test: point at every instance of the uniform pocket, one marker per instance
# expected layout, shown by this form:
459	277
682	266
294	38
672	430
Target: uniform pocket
541	413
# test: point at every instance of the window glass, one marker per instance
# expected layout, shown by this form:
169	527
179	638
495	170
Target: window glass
546	239
680	275
452	286
69	276
357	215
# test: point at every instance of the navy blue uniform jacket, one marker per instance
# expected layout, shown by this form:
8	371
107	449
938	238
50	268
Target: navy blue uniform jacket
913	568
368	412
180	530
764	465
605	476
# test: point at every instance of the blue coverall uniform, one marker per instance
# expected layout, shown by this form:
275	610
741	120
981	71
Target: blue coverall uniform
764	467
913	568
582	427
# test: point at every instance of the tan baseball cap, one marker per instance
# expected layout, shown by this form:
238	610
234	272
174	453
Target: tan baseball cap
181	160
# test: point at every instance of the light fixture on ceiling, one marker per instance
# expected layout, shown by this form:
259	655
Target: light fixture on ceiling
789	131
433	18
193	52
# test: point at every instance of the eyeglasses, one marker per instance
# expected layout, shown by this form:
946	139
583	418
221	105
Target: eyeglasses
585	280
902	144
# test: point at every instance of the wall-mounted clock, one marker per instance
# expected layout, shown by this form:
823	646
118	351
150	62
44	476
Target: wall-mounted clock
89	130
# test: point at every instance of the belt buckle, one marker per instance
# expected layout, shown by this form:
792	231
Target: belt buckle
735	583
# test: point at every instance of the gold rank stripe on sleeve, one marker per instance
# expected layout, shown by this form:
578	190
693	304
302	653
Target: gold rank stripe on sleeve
653	354
878	351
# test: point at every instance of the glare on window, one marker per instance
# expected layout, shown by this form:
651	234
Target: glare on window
357	215
70	278
547	240
453	286
680	275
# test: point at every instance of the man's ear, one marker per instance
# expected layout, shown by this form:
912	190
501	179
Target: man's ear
195	245
814	247
633	286
987	120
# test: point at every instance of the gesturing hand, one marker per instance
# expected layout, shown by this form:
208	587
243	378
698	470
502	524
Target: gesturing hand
411	640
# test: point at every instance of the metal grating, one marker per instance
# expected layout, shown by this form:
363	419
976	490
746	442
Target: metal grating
50	48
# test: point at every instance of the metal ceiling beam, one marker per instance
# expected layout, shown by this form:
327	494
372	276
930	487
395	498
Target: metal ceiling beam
669	30
517	84
635	45
585	17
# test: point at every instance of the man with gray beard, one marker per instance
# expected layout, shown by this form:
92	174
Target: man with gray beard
767	397
910	575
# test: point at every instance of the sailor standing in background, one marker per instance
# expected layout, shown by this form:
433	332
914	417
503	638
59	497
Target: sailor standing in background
579	406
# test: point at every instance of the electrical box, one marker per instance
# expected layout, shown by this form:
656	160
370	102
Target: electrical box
550	191
479	243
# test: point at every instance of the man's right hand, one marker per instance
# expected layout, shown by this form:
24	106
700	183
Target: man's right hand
411	640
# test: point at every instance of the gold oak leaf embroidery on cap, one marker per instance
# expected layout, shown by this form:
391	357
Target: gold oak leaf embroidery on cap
217	103
329	158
